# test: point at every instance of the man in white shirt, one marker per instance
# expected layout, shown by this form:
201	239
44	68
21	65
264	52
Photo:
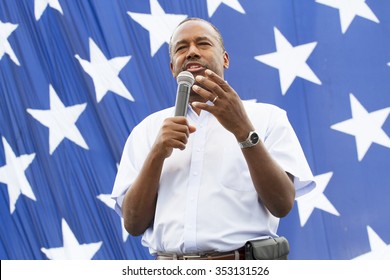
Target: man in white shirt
204	184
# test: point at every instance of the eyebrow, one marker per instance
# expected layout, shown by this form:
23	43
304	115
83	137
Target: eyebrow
184	41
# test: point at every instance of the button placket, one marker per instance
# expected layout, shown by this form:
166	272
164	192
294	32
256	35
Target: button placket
198	141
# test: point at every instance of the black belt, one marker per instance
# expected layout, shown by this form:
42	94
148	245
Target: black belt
238	254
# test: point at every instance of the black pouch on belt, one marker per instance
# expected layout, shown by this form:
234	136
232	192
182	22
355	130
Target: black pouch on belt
267	249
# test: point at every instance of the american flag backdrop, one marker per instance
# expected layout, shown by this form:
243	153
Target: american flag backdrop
77	76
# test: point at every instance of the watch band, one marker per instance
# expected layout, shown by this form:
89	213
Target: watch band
252	140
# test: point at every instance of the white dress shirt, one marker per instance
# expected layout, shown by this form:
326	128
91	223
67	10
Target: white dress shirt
206	198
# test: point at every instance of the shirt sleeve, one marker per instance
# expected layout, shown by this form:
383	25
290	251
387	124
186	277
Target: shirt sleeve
121	184
127	170
283	145
135	151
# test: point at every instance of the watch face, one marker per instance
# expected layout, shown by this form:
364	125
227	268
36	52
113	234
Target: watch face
254	138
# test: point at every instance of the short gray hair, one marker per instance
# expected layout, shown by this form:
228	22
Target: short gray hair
219	35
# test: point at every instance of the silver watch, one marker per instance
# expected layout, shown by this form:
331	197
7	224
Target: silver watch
252	140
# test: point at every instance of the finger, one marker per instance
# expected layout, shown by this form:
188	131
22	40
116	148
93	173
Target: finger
178	120
176	126
210	85
203	92
174	139
183	124
192	128
217	79
203	106
177	144
181	130
180	137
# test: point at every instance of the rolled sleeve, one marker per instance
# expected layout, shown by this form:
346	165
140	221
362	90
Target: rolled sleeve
283	145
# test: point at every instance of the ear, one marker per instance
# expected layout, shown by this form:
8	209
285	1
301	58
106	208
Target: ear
171	67
226	60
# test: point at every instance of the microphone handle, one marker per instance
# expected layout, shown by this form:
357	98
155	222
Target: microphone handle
182	96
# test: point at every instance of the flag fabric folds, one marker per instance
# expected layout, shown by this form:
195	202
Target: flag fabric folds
77	76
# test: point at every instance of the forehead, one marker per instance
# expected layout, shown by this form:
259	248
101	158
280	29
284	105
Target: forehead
194	29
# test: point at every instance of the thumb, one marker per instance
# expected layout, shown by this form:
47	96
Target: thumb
192	128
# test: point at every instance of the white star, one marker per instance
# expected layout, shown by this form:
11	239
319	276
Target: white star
366	127
72	249
12	174
61	121
106	199
5	31
379	249
105	73
41	5
212	6
290	61
316	199
159	24
349	9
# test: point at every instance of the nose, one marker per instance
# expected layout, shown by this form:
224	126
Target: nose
193	52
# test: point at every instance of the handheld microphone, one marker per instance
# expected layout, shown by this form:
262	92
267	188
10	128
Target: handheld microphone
185	80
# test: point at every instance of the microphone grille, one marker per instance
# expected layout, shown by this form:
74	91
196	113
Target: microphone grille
185	77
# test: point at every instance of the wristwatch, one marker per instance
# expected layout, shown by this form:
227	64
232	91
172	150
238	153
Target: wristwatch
252	140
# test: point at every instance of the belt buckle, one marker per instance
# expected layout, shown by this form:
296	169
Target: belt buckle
191	257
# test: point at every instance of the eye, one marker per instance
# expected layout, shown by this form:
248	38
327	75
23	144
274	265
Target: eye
204	44
180	48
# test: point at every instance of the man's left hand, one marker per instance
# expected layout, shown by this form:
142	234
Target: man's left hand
227	106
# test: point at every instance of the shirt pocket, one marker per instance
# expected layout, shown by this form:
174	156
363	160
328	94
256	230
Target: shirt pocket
234	173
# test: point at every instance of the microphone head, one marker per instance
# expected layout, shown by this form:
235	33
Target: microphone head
185	77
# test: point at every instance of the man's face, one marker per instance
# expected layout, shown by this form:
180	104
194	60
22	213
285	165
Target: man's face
195	47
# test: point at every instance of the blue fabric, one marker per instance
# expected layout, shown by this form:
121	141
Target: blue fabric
68	181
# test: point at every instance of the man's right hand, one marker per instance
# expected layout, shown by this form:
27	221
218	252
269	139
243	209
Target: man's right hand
173	134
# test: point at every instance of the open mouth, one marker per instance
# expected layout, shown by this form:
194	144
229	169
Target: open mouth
194	67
